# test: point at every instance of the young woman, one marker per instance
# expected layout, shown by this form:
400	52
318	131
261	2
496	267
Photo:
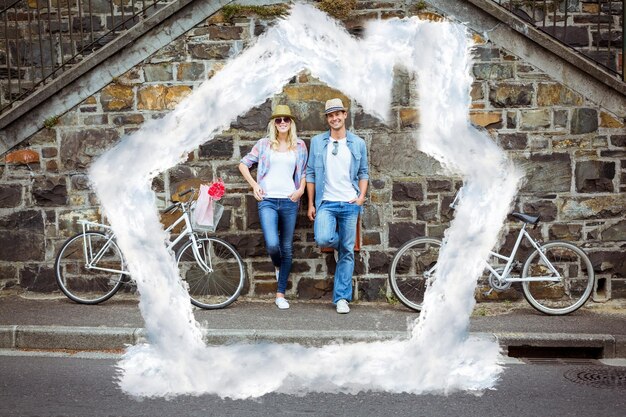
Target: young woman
279	185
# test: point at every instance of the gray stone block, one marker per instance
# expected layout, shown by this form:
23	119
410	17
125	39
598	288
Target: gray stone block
314	289
547	173
50	191
78	148
584	121
158	72
615	232
256	119
21	246
407	191
611	262
39	278
215	50
594	176
511	95
372	289
218	148
10	195
399	233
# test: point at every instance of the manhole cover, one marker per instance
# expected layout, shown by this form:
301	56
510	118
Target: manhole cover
605	377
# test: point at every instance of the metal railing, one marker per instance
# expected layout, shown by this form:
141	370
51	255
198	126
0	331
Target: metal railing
40	39
594	28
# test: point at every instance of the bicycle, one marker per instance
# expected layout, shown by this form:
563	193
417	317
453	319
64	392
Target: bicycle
557	278
90	267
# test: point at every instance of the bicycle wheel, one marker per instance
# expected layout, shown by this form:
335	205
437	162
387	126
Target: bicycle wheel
573	288
222	283
411	269
89	285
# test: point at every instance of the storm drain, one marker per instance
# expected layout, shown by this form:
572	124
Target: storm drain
605	377
561	361
571	352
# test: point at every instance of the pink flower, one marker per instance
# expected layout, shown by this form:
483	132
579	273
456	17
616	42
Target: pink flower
217	189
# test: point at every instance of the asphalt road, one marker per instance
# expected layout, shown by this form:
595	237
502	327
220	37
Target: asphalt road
69	386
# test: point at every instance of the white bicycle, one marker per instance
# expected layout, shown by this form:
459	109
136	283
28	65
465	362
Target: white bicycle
90	267
557	277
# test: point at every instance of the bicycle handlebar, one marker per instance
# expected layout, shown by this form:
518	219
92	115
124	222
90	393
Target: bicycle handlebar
177	204
170	208
191	190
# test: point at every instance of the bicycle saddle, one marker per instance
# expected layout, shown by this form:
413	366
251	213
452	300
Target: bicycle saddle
526	218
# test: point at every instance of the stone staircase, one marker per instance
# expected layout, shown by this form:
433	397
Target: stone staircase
593	28
44	39
92	73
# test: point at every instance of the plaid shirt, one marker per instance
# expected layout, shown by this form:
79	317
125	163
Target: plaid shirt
260	154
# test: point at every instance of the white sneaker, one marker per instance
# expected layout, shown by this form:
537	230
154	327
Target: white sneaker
343	307
281	303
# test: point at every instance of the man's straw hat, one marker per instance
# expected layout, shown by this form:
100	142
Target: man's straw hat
334	104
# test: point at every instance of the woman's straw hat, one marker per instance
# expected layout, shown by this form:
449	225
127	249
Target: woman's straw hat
282	110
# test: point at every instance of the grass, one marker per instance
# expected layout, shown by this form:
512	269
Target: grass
230	11
51	122
339	9
480	311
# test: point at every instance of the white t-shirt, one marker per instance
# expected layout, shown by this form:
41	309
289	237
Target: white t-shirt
337	183
279	179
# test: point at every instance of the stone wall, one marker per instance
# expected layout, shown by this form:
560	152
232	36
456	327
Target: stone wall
574	153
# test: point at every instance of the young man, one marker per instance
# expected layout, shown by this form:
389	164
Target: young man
337	178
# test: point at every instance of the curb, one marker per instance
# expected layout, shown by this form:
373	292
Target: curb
66	337
304	337
114	338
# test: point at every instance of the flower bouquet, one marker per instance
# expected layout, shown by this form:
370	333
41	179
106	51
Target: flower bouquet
207	212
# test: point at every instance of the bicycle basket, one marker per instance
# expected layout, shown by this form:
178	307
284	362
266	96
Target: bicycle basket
207	220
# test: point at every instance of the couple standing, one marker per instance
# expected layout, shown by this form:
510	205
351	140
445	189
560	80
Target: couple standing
336	179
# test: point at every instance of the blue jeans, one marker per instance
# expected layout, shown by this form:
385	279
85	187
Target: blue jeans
278	221
335	227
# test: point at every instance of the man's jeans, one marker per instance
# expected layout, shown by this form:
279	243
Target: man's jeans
278	221
335	227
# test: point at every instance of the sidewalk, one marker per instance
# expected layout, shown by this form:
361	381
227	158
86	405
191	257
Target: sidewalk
598	329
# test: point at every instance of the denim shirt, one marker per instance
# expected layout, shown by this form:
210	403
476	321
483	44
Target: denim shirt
316	167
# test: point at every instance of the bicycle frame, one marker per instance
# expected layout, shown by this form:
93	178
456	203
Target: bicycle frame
504	277
91	260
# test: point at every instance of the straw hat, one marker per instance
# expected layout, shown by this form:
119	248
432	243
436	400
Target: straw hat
282	110
334	104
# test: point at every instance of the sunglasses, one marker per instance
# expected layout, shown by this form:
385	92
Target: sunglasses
280	120
335	148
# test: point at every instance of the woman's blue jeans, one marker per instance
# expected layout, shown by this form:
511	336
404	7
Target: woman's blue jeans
278	221
335	227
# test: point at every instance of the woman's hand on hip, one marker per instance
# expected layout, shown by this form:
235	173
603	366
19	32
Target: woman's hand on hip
296	195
